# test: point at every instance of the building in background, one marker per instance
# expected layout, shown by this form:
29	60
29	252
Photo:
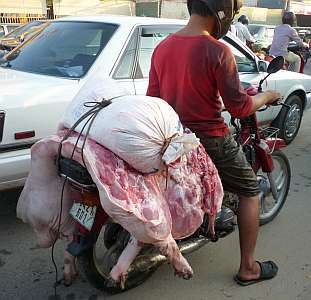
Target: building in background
259	11
270	11
22	11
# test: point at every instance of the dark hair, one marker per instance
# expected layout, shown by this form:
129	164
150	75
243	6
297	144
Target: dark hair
200	8
243	19
289	18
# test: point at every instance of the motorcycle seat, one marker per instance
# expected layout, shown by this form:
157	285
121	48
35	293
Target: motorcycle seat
75	173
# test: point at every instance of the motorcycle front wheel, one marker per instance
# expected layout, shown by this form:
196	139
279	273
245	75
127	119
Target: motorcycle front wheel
97	262
270	207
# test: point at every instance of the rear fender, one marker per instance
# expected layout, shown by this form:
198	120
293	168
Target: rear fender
263	153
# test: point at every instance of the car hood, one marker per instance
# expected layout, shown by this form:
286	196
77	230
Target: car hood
282	76
32	102
291	75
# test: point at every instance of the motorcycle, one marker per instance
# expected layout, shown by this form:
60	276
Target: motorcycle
98	248
302	52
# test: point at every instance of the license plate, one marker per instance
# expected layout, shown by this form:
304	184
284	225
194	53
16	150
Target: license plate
83	214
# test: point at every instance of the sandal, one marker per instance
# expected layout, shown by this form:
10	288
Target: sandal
268	270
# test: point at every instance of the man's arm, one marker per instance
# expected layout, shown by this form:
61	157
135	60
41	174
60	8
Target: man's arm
248	35
153	87
295	37
235	98
266	98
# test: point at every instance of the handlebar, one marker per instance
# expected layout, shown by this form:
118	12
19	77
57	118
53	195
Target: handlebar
276	103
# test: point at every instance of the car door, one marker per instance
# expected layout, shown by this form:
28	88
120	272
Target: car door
148	39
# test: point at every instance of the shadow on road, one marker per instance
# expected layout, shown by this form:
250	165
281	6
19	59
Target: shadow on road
8	200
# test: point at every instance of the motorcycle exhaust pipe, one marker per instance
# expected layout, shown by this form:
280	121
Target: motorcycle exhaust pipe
146	262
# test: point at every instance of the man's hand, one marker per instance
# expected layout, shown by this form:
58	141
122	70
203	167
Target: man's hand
266	98
272	97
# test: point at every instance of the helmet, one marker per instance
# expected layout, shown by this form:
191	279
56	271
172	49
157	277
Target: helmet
243	19
224	12
289	18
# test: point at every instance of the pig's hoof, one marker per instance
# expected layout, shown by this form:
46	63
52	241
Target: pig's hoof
68	283
185	275
68	280
123	280
111	283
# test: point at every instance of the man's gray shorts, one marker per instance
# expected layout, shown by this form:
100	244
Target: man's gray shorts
236	174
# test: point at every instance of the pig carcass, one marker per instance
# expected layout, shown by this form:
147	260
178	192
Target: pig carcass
144	205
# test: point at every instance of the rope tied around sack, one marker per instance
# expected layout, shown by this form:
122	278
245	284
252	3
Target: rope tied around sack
167	143
164	148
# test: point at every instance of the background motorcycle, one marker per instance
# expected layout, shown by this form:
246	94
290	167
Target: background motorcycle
98	250
302	52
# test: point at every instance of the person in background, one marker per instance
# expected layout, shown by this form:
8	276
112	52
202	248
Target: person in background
233	29
242	31
195	73
283	35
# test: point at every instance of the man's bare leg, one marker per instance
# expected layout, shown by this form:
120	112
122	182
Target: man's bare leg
248	221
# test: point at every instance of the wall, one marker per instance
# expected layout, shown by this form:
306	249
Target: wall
263	15
91	7
174	9
37	8
21	11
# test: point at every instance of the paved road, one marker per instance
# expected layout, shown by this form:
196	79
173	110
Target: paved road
27	273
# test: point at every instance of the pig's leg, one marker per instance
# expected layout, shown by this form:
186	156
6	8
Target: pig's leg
70	270
119	271
170	249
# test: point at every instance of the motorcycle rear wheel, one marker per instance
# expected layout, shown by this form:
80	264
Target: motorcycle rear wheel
97	262
270	207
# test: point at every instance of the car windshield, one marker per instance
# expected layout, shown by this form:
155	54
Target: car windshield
25	30
62	49
256	31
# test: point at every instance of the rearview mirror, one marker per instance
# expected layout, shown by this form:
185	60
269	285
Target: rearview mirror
276	65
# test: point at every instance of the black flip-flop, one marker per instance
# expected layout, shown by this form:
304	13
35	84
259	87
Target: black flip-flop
268	270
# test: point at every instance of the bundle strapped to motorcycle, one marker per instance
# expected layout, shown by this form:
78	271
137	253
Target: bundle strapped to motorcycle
95	108
67	166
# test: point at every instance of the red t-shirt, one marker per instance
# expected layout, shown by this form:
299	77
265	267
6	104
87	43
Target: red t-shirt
193	74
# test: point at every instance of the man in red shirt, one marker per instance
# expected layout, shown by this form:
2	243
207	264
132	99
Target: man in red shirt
193	71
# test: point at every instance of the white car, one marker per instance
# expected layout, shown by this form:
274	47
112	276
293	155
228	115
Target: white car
39	78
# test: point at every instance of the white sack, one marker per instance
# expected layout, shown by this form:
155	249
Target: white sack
144	131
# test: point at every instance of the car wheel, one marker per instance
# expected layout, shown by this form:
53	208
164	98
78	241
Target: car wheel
289	119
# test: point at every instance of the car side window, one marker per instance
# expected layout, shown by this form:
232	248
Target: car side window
1	32
147	43
125	67
244	63
270	33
